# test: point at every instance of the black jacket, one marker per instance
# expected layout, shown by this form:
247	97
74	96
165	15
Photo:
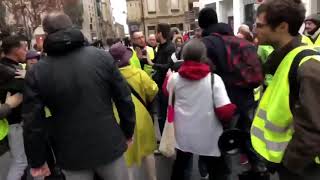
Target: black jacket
78	84
8	83
216	52
163	62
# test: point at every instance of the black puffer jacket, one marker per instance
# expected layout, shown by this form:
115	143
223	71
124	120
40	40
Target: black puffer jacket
8	83
78	85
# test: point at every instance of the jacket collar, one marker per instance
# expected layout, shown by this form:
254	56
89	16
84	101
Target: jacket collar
314	36
220	28
7	60
278	55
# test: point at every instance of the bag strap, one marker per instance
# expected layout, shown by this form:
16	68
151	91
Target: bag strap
293	73
136	94
212	87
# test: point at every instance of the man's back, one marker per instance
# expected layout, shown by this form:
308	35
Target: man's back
77	87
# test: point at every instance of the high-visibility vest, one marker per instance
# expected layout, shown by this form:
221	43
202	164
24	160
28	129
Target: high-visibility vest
147	68
272	127
317	42
306	40
134	61
4	128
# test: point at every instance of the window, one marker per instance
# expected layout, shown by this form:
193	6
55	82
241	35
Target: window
190	6
175	4
91	27
151	4
151	30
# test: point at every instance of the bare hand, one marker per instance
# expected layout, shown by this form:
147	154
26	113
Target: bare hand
14	100
129	142
20	74
169	72
42	171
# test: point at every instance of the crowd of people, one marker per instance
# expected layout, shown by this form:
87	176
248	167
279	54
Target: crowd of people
77	112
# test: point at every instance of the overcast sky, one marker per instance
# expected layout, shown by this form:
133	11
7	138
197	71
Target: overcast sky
119	6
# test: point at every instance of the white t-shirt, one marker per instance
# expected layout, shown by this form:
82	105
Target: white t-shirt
197	129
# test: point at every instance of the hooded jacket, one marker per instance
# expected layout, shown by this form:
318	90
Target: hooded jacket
144	138
78	85
198	106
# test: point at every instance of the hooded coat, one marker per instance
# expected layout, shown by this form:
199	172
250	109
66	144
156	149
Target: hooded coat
78	84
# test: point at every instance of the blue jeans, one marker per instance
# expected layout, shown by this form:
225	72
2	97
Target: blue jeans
19	160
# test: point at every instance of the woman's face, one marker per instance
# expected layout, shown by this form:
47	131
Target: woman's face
179	42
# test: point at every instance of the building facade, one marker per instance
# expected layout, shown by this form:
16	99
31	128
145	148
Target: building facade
144	15
90	25
237	12
108	20
119	31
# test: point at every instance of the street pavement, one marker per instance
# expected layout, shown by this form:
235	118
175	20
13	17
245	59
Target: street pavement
163	166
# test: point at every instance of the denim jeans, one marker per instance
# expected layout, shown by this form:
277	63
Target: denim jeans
19	160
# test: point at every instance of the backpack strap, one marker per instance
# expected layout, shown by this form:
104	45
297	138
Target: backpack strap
212	87
293	74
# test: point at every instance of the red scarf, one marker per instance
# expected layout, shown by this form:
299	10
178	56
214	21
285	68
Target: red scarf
194	70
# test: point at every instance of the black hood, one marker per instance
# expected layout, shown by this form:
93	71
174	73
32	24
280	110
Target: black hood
220	28
63	42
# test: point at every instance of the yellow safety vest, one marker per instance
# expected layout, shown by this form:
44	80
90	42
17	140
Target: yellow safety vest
134	61
317	43
147	68
306	40
272	127
4	128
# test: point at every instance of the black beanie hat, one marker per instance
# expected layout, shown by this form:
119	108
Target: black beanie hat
207	17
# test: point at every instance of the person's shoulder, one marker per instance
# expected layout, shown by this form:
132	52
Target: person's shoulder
98	54
310	68
217	80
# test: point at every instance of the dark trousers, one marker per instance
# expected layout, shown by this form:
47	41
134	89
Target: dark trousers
162	110
311	173
217	167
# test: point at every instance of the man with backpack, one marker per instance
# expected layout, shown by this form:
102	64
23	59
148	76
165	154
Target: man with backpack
235	60
286	128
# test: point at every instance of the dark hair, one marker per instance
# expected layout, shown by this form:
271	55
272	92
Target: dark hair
133	32
289	11
56	21
207	17
174	31
10	43
194	50
164	29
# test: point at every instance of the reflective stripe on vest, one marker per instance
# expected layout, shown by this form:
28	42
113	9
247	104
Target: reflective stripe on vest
4	128
272	127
